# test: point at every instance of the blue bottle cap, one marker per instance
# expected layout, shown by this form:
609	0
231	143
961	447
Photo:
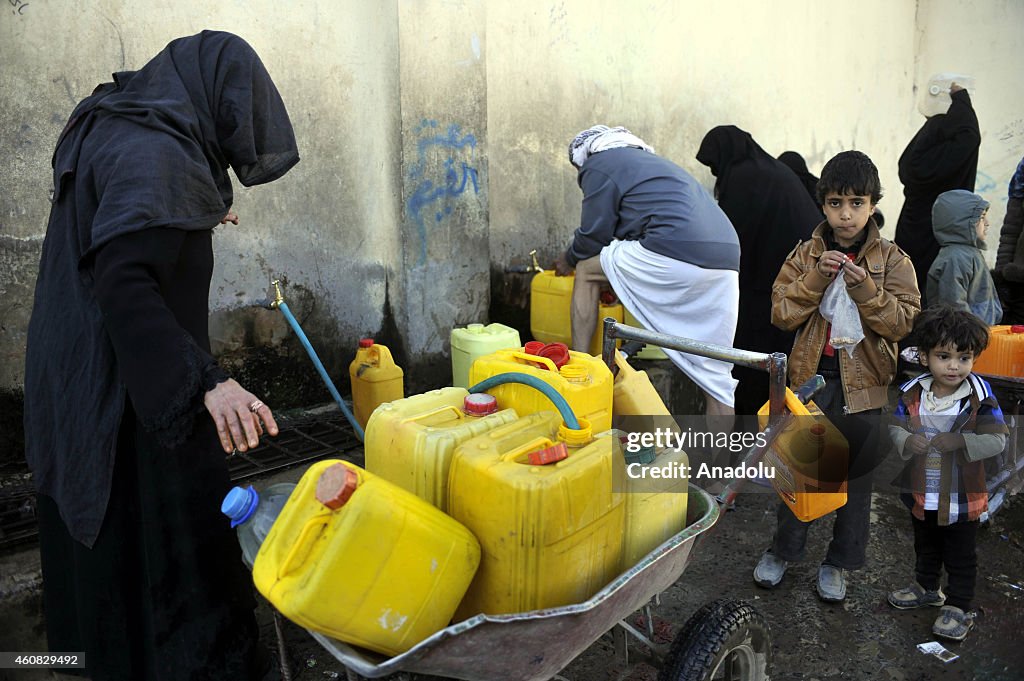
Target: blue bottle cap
239	504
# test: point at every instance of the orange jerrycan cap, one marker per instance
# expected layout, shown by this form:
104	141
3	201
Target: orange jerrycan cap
336	485
480	404
548	455
366	342
533	347
556	352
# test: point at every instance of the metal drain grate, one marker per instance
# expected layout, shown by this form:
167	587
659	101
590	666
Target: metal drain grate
300	441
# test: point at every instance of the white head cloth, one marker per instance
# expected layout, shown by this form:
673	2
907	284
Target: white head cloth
601	138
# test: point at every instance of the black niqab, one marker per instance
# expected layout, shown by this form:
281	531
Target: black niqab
150	150
798	165
942	156
771	212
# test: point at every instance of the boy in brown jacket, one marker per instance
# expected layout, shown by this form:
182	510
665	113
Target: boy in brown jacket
881	281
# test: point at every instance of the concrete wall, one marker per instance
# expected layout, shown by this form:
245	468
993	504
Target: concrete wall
984	40
433	138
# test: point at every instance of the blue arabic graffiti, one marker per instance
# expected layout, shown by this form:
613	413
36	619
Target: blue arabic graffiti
458	176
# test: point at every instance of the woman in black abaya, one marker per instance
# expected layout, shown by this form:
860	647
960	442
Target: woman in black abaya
128	416
943	155
771	212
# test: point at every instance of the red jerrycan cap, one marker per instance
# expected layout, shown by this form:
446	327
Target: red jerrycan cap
533	347
480	404
1017	328
556	352
336	485
366	342
552	454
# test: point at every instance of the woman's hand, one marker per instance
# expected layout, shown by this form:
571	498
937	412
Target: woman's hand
231	217
240	416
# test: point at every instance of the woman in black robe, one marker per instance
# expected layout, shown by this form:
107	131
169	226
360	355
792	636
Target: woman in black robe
798	165
771	212
943	155
127	414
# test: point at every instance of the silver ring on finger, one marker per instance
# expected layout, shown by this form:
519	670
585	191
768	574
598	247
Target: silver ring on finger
256	406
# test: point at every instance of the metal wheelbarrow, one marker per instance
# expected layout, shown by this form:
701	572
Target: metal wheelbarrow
725	639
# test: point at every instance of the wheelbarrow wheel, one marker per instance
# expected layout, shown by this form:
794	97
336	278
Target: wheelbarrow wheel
726	640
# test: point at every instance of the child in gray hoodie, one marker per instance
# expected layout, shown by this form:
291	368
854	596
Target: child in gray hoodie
959	275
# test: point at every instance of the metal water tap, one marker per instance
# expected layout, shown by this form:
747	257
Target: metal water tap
278	295
536	266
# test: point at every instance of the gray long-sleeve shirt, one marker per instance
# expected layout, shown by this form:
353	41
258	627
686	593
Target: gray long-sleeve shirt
633	195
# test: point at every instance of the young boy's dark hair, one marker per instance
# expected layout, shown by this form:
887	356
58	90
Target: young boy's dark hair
849	172
942	324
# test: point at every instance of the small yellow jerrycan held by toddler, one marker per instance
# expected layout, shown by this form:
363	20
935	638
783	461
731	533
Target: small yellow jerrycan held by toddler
809	459
375	379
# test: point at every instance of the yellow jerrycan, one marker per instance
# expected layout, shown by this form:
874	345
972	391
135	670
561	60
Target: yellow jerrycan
633	394
363	561
375	379
584	381
656	486
543	501
409	442
550	309
809	460
477	340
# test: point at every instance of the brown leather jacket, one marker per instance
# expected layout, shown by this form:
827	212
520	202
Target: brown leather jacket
888	301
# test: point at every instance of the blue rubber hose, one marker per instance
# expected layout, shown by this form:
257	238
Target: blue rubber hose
281	305
549	392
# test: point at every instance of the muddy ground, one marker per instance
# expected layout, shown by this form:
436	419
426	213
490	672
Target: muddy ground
862	638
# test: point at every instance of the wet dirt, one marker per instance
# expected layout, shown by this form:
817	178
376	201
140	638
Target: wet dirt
861	638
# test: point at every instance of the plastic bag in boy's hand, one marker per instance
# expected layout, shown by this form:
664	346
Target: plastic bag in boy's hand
839	309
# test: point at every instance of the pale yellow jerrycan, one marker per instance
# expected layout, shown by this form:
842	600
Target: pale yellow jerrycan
375	379
584	381
363	561
656	486
477	340
410	442
543	502
656	478
633	393
809	460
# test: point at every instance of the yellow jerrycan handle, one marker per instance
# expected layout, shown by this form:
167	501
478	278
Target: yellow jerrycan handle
303	545
383	353
793	404
526	357
440	410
